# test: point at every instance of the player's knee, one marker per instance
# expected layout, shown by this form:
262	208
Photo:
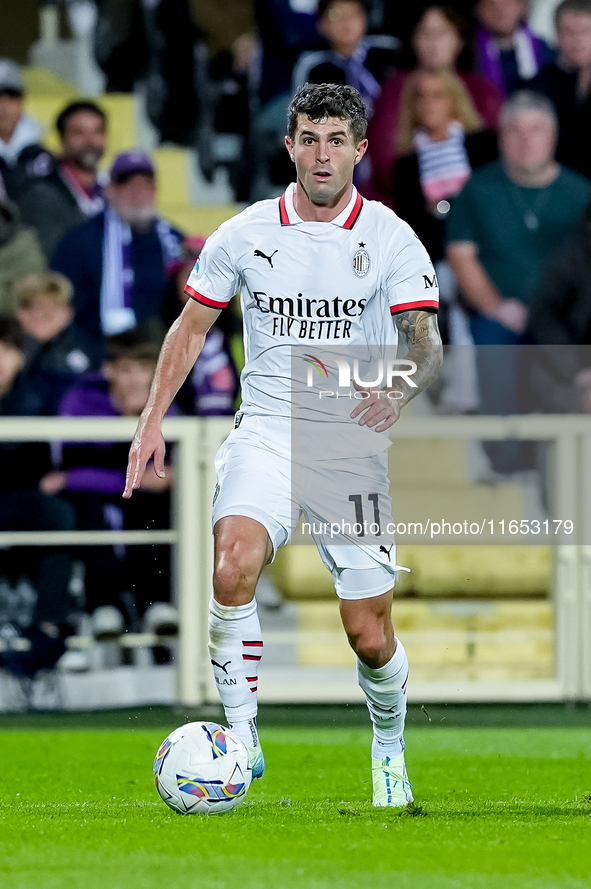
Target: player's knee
369	644
234	580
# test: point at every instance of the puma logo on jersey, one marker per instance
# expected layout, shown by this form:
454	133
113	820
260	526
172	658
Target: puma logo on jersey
221	666
264	256
387	551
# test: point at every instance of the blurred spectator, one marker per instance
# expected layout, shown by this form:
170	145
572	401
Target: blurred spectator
223	23
12	361
172	101
121	582
20	254
228	64
353	58
24	508
212	386
567	82
54	351
286	29
510	215
508	218
441	140
120	43
559	369
68	193
441	40
226	84
508	50
152	40
119	261
21	155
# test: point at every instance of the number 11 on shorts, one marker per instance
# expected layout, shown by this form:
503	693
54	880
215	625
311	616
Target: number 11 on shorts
357	499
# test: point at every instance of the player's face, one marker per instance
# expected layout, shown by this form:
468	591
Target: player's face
83	142
574	38
527	140
325	155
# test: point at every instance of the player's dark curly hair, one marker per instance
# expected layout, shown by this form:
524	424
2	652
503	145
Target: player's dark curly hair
321	100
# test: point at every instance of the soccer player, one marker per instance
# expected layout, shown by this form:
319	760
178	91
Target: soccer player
325	266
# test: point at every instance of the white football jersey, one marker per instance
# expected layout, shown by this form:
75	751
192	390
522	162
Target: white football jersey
312	284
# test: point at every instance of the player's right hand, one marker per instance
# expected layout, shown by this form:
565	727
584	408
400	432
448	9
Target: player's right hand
148	442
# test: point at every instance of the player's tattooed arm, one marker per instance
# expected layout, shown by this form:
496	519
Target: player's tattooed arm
420	332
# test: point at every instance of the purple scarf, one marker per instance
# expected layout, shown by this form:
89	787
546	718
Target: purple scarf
359	76
116	299
528	53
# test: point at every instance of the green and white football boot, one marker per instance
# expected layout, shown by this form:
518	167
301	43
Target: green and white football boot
257	761
391	786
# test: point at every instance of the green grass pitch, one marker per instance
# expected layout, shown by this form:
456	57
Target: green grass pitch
504	807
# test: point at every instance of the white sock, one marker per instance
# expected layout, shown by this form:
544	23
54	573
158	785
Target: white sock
385	691
235	649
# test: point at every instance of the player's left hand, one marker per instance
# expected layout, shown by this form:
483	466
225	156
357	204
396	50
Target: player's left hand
379	411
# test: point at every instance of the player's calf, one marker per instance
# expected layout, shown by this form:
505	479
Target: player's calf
368	625
382	671
385	692
236	649
242	547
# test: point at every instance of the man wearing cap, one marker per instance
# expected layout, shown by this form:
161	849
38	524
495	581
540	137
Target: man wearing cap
119	261
61	198
21	155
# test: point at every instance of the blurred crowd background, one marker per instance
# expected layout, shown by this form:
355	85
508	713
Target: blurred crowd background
479	137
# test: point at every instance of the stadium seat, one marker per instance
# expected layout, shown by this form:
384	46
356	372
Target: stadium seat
486	641
464	611
468	571
436	485
173	166
47	94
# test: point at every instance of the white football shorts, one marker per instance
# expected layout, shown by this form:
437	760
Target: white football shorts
256	479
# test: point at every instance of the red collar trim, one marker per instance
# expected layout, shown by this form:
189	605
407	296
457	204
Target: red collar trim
283	214
348	224
354	215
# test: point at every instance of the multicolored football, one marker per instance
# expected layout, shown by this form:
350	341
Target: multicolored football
202	768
